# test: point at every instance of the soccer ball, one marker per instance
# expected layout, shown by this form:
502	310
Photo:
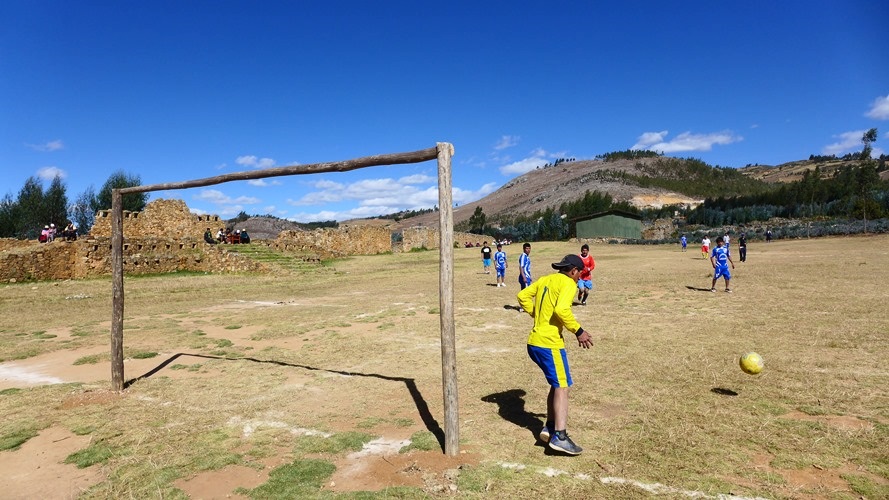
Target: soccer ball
751	363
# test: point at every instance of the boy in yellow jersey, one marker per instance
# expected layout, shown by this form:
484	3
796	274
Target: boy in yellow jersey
548	300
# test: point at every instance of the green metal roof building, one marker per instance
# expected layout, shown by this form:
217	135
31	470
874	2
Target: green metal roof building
609	224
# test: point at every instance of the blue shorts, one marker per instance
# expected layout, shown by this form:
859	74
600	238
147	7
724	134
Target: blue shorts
522	284
554	363
722	272
501	272
487	262
588	284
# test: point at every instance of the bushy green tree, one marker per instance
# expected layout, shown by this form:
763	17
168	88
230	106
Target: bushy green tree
55	202
81	212
477	221
134	202
31	212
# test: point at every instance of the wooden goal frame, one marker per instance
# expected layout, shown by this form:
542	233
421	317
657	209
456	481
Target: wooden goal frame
443	151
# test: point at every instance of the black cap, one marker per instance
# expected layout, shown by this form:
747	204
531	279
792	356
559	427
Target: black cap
568	262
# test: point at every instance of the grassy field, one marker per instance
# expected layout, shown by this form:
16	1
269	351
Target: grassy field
289	377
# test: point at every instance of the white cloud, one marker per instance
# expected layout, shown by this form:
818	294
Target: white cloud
506	141
649	138
219	198
686	141
847	141
379	196
523	166
417	179
879	109
263	182
254	162
50	173
47	146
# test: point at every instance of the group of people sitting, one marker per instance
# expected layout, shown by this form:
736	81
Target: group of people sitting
49	233
226	235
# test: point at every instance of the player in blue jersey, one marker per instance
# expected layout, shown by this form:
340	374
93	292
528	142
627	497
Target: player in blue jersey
720	258
525	266
500	265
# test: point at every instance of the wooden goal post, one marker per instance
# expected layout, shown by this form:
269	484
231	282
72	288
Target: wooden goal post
443	152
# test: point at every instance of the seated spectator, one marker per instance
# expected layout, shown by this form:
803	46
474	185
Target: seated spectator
220	235
70	232
52	232
44	235
208	237
245	238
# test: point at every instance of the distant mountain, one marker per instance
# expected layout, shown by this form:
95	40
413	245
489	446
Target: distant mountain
643	182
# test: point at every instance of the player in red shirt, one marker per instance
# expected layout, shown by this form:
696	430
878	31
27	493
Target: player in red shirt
585	283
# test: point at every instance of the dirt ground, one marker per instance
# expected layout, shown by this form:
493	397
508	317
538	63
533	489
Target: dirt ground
337	353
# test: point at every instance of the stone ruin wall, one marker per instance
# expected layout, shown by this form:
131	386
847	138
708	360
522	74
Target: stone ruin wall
166	237
161	218
362	240
88	257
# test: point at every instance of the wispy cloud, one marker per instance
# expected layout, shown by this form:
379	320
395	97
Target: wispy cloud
47	146
378	197
225	205
686	141
537	158
264	182
50	173
254	162
879	109
847	142
506	141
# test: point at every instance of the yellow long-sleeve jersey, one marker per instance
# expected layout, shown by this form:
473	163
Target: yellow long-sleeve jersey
548	300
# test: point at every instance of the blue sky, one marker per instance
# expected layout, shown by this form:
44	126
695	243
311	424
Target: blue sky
179	90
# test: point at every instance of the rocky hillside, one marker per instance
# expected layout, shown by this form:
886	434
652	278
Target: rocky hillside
543	188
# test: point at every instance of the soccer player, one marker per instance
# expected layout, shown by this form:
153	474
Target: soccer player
705	247
720	259
500	265
525	266
548	300
585	283
486	257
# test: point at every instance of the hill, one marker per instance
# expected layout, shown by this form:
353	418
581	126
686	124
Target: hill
642	182
551	186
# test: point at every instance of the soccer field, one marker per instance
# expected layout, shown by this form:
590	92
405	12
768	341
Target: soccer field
328	382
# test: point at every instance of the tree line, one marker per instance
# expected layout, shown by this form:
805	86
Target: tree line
25	215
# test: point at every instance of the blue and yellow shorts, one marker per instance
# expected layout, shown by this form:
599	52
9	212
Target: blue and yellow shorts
554	363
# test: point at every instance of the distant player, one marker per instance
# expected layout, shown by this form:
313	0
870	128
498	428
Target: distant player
585	283
486	257
705	247
720	259
684	242
500	265
525	266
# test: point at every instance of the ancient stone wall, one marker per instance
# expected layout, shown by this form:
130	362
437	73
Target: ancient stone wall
160	219
92	257
167	237
363	240
12	243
